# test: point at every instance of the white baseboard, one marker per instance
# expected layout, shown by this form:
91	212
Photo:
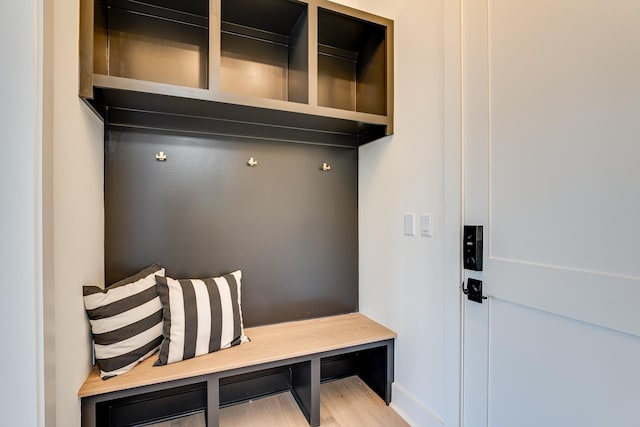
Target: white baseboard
413	412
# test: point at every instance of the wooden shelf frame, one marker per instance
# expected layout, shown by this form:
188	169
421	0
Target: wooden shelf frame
298	118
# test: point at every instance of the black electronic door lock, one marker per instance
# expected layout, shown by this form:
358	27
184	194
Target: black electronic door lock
472	247
473	291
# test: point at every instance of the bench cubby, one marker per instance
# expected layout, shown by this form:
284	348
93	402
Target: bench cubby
293	356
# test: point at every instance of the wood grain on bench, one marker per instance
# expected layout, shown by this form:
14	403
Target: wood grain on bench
268	344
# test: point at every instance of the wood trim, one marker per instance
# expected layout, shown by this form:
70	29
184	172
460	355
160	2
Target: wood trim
132	85
213	402
312	13
390	76
270	343
215	20
85	66
356	13
452	221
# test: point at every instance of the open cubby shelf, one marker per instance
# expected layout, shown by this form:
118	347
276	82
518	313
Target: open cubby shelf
150	41
351	63
264	49
297	69
189	12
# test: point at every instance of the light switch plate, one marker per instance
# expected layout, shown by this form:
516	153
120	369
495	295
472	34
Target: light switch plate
425	225
410	224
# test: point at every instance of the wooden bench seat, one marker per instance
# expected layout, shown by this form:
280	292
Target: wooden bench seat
301	346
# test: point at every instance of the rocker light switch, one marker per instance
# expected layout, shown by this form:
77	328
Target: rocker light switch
410	224
425	225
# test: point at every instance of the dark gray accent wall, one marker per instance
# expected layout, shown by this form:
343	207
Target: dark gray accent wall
290	227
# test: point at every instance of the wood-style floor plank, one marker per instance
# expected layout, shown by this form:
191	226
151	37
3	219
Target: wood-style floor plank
278	410
343	403
197	420
351	403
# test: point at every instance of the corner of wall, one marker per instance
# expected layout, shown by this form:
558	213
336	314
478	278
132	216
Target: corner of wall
78	214
409	283
412	410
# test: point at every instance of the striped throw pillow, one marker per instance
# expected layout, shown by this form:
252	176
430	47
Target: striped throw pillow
200	316
126	321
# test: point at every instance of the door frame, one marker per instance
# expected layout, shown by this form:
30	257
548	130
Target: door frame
453	209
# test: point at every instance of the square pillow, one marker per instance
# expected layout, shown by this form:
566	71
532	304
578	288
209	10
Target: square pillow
126	321
200	316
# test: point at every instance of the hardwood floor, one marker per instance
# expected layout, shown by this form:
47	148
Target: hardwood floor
197	420
344	403
278	410
350	402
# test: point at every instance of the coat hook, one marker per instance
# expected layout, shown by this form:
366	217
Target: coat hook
161	157
252	162
325	167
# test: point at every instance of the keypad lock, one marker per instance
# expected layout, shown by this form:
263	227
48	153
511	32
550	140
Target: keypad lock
472	247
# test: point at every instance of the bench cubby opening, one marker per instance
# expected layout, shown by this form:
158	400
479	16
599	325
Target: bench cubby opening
157	406
254	385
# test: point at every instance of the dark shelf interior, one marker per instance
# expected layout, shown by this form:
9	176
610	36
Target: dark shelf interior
264	49
156	40
153	407
351	63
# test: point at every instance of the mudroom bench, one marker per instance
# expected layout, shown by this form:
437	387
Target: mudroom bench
293	356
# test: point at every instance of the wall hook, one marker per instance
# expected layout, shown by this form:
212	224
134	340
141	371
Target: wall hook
325	167
161	157
252	162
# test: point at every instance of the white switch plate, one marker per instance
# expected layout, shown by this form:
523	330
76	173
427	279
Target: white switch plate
410	224
425	225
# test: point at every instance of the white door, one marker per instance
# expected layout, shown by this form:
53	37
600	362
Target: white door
551	137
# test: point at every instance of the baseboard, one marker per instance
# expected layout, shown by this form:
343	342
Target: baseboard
413	412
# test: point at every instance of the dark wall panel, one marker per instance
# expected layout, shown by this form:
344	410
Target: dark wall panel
290	228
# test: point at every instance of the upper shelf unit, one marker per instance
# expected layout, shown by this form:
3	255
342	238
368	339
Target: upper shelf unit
305	71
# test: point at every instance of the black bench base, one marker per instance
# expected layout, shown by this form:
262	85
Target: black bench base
302	376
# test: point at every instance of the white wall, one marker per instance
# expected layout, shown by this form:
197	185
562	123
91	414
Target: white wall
78	214
402	279
21	388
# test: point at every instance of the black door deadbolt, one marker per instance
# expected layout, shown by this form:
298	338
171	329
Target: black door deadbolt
472	247
473	291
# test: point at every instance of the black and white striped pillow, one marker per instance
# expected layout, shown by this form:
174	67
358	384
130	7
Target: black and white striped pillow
200	316
126	321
